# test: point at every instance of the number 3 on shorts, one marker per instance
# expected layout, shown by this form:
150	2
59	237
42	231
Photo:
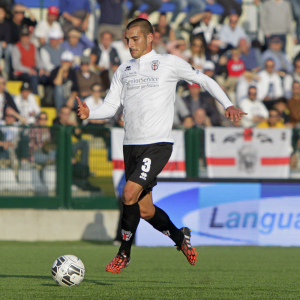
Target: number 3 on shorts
147	165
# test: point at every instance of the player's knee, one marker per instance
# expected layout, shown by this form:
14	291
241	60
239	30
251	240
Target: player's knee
128	197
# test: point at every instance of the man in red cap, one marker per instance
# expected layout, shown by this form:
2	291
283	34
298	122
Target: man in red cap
43	27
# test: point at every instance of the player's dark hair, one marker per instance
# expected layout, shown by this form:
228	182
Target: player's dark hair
145	25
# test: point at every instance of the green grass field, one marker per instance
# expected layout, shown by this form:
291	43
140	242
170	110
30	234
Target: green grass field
154	273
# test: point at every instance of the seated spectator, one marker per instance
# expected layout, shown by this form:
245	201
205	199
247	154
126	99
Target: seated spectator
201	120
157	44
27	104
196	54
19	21
52	51
193	101
64	81
269	86
42	149
284	112
153	5
180	111
123	49
230	34
273	120
6	101
104	57
256	110
235	68
250	56
167	33
204	26
77	43
75	15
86	78
188	122
229	6
177	47
293	105
290	78
274	52
45	26
15	142
26	61
245	81
5	40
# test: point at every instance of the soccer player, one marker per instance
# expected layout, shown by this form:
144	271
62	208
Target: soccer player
145	86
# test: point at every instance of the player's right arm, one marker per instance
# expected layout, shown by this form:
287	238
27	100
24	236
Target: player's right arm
110	105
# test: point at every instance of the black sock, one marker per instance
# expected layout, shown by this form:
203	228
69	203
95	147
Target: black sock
161	222
129	223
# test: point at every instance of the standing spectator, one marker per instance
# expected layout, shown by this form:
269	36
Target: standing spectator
52	51
193	101
45	26
153	5
77	43
104	57
196	54
64	81
204	26
27	104
5	40
276	19
26	61
250	56
269	86
111	18
167	33
275	52
294	105
86	78
42	149
75	14
273	120
230	34
257	111
229	6
19	21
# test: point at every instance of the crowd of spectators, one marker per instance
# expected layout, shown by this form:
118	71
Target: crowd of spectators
57	60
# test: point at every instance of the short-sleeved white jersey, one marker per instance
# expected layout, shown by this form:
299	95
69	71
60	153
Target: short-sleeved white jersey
146	88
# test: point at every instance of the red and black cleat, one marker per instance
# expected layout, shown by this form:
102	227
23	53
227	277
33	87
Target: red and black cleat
186	247
120	262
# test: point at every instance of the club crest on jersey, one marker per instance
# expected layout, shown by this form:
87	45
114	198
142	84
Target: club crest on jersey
126	235
154	65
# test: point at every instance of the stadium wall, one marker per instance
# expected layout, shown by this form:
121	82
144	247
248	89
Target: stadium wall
57	225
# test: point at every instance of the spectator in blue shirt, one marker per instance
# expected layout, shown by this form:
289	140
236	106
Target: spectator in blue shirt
76	14
250	56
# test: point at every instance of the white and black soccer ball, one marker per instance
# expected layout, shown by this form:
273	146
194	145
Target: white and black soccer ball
68	270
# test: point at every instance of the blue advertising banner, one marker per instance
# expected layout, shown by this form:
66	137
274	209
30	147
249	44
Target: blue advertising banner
228	213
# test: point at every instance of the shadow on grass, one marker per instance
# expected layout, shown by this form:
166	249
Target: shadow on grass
49	278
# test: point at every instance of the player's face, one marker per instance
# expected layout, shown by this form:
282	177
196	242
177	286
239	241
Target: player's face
137	42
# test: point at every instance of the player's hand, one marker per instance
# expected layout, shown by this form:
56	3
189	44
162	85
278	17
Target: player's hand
83	111
235	114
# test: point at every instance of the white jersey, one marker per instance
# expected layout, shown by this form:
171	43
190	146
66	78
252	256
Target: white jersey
146	89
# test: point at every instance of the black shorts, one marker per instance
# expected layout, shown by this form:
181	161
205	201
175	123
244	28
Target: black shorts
144	162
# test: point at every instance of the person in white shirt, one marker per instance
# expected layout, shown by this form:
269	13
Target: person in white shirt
27	104
43	27
269	86
146	87
257	111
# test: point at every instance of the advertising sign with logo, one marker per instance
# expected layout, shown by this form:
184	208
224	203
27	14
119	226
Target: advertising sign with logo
228	213
248	153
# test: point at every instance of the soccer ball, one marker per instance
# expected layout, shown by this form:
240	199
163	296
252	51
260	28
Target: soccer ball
68	270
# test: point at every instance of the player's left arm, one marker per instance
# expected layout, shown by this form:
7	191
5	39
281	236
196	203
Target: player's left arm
186	72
